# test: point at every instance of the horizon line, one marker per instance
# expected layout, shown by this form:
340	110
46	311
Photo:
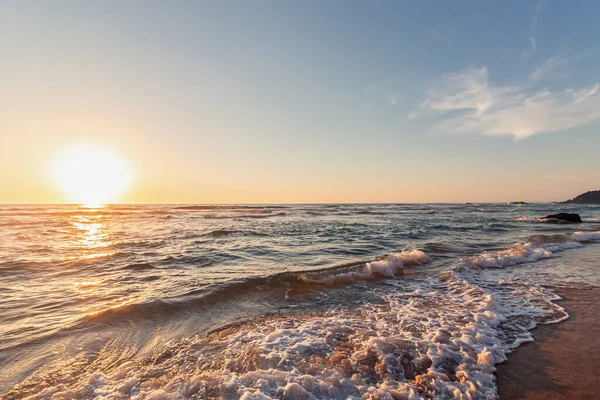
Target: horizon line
289	203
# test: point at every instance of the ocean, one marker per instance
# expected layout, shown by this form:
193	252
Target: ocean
336	301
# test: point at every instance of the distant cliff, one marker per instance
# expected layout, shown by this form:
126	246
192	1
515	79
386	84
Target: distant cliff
592	197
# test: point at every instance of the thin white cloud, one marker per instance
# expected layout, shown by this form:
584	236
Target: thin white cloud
547	66
471	105
532	44
392	100
534	21
460	91
560	65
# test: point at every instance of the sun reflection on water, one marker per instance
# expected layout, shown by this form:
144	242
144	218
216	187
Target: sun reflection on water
91	237
113	305
91	234
87	287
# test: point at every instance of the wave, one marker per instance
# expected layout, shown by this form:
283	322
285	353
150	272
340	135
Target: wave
217	233
369	212
279	285
384	267
538	247
518	254
222	232
138	266
441	249
544	239
543	220
282	284
441	340
553	221
227	207
590	236
258	215
538	219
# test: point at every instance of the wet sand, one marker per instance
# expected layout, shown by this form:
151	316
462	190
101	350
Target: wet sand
564	360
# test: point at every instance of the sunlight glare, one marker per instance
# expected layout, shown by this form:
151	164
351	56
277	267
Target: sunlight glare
91	176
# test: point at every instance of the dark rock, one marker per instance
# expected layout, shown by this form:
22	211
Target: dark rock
564	217
518	202
591	197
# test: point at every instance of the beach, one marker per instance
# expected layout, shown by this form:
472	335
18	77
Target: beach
562	363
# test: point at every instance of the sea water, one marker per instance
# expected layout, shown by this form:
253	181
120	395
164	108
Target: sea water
386	301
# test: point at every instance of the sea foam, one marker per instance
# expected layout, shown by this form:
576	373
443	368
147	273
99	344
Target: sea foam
384	267
586	236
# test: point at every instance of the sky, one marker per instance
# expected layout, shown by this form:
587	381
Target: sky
305	101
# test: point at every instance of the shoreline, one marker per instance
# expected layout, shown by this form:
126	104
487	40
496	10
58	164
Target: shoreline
564	360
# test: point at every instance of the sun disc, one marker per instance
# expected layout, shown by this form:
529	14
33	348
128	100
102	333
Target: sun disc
91	176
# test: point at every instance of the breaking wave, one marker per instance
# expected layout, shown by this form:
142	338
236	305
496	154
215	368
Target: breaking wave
384	267
281	284
586	237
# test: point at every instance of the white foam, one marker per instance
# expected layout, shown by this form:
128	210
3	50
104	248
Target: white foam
391	264
520	253
531	219
585	237
386	267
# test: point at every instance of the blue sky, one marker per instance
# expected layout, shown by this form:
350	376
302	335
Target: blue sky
306	101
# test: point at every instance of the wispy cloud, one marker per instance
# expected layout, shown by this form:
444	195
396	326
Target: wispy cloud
546	67
393	100
472	105
531	50
460	91
534	21
560	65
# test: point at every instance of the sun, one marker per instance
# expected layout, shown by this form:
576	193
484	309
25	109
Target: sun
91	176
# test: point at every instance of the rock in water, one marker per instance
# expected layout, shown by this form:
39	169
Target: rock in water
564	217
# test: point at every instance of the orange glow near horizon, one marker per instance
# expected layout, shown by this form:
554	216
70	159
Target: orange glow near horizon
91	176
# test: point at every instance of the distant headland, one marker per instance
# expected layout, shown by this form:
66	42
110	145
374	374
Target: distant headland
591	197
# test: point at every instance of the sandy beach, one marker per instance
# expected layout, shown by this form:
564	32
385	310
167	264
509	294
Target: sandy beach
563	362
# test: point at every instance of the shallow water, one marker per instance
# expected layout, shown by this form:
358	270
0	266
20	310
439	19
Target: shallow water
317	301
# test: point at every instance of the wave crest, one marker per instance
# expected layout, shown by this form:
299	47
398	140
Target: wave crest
539	247
584	237
384	267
